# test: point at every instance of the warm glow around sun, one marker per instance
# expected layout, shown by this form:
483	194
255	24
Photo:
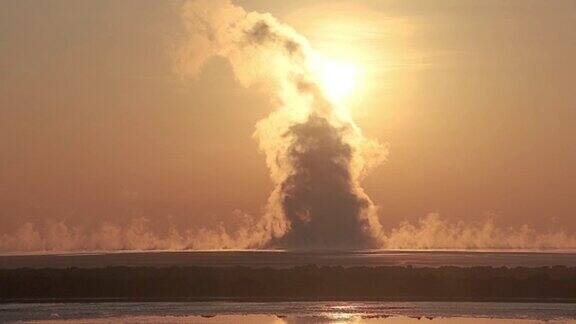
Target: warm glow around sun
338	79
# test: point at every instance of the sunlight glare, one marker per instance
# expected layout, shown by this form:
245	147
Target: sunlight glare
338	79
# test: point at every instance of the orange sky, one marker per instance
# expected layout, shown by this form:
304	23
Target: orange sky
475	100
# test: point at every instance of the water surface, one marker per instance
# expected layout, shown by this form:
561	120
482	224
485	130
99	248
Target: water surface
280	259
290	312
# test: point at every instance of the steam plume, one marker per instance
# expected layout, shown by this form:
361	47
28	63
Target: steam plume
315	152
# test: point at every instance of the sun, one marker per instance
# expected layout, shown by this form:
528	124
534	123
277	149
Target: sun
338	79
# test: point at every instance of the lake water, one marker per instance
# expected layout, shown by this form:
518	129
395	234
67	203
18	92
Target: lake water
290	312
279	259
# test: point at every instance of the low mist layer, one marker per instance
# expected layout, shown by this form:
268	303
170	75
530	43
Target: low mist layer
431	232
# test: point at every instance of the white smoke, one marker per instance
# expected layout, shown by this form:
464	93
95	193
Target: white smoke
315	152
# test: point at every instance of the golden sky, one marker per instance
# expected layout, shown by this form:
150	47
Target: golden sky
475	100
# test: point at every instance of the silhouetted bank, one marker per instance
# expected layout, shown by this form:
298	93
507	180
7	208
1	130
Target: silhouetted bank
298	283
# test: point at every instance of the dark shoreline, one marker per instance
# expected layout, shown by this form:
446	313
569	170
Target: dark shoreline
302	283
